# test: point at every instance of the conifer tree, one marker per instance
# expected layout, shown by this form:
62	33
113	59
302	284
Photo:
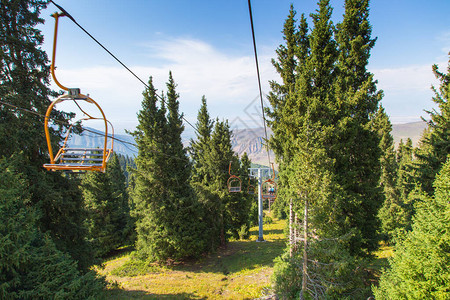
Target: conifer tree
331	179
218	159
435	145
31	265
203	173
167	213
356	148
24	80
406	181
106	203
419	267
291	61
392	214
200	147
243	208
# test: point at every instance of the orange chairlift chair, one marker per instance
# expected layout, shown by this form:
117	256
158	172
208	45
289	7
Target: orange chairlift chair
251	188
234	183
76	159
269	187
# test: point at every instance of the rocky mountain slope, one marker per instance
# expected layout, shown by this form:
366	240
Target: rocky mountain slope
251	140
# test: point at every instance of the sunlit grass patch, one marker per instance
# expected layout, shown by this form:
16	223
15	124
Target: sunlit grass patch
240	271
134	267
381	260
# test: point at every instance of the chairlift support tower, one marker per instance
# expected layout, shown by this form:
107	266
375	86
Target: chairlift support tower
259	173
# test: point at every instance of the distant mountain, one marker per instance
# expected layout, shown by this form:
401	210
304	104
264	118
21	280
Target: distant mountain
123	143
249	140
252	141
412	130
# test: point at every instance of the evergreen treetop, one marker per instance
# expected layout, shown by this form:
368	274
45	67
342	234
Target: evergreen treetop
435	144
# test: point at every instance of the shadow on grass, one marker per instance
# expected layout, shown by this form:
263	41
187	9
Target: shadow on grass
117	294
118	253
238	256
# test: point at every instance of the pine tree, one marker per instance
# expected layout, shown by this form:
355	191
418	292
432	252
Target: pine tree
106	203
218	159
126	162
392	214
406	182
24	80
330	153
200	147
202	178
165	207
118	180
419	267
291	61
242	210
31	266
356	145
435	145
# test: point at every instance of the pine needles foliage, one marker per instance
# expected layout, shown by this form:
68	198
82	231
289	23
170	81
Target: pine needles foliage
419	267
106	201
325	140
167	213
31	265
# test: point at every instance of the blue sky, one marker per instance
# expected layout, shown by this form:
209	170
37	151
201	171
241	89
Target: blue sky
208	47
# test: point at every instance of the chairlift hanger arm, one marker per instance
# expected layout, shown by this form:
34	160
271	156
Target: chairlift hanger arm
55	38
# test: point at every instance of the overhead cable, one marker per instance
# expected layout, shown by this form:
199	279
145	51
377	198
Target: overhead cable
259	79
115	57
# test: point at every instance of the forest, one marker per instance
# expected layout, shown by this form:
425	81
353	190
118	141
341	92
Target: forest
344	189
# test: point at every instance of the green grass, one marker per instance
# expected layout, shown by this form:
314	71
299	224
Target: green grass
380	262
241	271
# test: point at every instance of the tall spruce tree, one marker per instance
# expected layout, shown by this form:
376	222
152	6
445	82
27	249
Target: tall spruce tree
199	147
392	213
24	80
166	210
202	178
218	159
435	145
106	203
291	59
324	122
356	148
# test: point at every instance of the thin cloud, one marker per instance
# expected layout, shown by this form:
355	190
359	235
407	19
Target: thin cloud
229	82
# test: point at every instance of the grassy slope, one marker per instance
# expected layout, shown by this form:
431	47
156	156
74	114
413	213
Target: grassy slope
242	271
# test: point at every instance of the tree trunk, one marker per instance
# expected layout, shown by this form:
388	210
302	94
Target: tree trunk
291	229
305	253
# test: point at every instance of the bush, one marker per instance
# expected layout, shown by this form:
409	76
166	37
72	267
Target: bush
244	232
287	277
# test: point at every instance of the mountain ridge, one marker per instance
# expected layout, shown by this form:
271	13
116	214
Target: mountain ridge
250	140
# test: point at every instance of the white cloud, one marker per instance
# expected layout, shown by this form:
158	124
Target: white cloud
229	82
407	91
409	78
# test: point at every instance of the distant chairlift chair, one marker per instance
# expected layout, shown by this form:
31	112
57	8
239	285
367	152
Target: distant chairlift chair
234	182
269	187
